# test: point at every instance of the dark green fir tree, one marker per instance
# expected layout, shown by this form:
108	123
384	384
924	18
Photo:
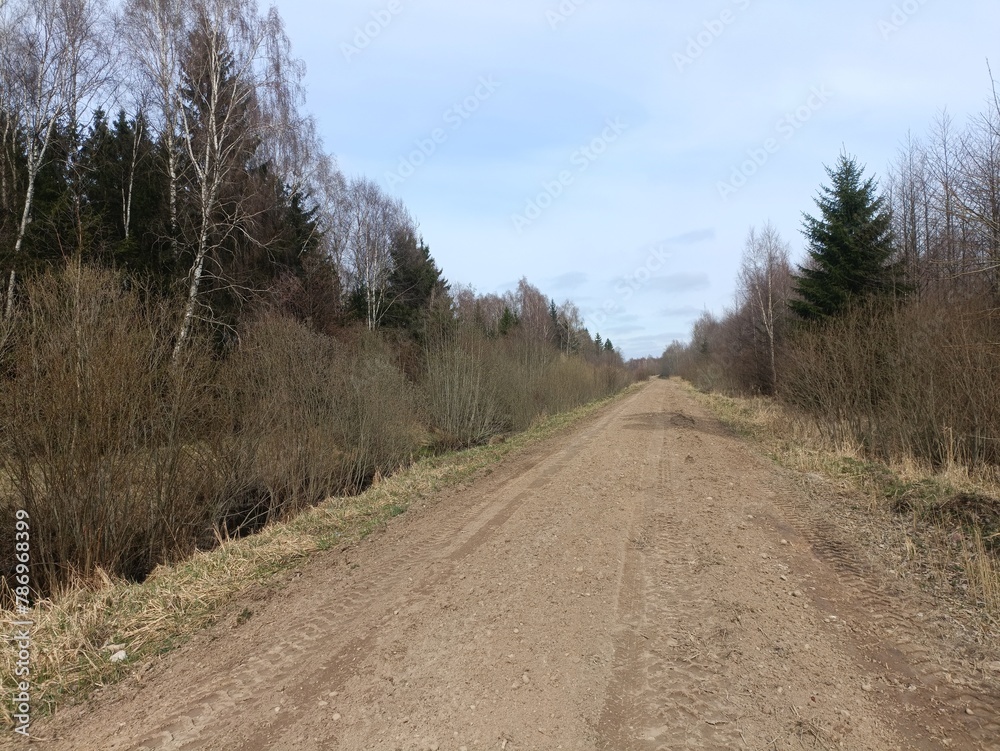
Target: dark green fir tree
851	246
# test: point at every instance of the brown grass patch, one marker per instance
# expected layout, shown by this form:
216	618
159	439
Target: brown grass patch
947	517
74	630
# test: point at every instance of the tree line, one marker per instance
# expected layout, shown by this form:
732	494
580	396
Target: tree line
885	335
166	139
206	326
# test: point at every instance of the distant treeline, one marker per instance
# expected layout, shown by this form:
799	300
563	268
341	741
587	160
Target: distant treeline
888	334
204	325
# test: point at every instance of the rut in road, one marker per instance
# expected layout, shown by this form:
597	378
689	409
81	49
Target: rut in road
642	581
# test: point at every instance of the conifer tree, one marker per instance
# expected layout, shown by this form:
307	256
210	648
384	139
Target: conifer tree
851	246
415	283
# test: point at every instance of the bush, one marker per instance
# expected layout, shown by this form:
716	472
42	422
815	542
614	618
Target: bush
309	417
919	380
125	458
461	388
478	387
98	429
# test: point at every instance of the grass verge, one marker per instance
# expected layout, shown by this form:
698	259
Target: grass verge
75	634
948	518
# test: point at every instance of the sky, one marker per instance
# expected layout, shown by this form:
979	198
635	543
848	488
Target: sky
617	153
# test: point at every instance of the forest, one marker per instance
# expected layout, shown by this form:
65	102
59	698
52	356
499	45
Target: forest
886	337
205	326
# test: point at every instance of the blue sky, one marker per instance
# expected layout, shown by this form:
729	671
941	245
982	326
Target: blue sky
616	153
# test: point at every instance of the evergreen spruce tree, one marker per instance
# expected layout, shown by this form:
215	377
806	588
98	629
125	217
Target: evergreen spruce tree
415	284
125	196
850	246
508	322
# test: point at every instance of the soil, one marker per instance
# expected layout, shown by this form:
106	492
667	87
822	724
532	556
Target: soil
644	580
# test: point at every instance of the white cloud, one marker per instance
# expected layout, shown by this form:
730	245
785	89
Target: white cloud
686	128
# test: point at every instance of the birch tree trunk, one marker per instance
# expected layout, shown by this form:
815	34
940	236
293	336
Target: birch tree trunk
764	285
221	127
53	64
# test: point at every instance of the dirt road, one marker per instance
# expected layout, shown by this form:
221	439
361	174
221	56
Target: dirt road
641	582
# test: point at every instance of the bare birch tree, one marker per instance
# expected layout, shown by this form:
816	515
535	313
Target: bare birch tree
154	34
370	223
532	308
229	75
764	284
33	71
53	64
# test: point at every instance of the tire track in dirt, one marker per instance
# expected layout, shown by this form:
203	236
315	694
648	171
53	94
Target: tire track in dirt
302	651
448	548
926	680
619	715
524	521
666	695
755	679
685	664
639	583
662	695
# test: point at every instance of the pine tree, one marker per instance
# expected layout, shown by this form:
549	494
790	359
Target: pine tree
51	233
508	321
125	193
415	283
851	246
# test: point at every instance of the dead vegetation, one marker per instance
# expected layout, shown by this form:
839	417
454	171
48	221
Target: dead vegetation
76	632
944	519
127	453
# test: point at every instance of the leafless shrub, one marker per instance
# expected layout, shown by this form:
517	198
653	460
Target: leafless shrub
99	431
462	391
126	455
479	386
917	380
382	413
309	417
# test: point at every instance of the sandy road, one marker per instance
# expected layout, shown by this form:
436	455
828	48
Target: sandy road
641	582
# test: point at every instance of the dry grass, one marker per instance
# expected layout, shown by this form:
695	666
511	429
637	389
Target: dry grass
949	515
74	631
982	571
126	459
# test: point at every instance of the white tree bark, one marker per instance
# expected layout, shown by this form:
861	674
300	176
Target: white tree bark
155	33
52	66
225	122
373	221
764	284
